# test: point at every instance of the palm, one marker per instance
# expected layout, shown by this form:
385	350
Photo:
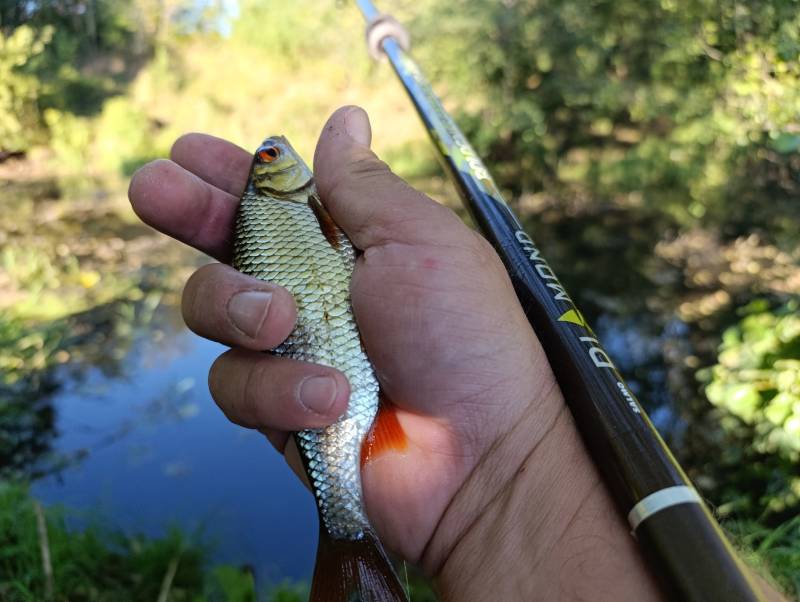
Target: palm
424	312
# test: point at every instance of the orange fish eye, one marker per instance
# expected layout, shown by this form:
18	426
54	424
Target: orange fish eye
269	154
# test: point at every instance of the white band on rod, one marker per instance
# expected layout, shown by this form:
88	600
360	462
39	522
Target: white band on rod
659	500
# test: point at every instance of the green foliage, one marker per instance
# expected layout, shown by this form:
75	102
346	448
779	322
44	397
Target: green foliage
85	26
69	138
677	106
49	275
59	62
231	584
74	293
296	30
99	564
757	377
20	89
288	592
774	552
124	139
153	70
756	385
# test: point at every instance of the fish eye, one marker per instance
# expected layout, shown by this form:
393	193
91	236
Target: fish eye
269	154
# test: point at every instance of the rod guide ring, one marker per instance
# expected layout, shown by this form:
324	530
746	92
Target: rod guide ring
386	26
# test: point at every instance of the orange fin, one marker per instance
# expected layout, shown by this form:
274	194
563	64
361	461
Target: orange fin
350	570
385	435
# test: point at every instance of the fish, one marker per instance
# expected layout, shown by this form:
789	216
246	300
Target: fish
283	234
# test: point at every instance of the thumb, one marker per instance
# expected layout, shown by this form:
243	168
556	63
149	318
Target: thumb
370	203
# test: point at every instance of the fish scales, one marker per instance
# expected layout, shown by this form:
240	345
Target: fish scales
278	238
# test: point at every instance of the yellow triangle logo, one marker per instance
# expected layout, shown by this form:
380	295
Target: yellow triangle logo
574	316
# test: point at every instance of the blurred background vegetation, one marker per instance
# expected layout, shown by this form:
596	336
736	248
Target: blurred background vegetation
651	147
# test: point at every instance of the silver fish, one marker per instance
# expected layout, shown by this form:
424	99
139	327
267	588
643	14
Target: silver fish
285	235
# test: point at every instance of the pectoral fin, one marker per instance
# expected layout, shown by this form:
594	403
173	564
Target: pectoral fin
385	435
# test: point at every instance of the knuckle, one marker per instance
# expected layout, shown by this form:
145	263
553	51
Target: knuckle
363	164
357	167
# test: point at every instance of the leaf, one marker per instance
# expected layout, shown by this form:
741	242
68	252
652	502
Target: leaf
744	401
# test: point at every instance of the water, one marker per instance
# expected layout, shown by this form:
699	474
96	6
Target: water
155	450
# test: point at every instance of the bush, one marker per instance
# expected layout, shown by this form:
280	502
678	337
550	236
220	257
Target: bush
757	377
20	119
689	108
124	137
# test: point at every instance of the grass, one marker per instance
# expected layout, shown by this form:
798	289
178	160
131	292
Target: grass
99	564
772	552
41	558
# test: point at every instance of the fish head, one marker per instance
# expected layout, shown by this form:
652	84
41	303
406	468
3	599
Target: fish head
277	168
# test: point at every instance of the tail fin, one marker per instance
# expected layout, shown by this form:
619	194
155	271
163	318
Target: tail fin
354	571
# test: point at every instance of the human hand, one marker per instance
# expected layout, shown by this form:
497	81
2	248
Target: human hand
487	427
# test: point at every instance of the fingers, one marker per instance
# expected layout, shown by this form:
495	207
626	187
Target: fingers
193	197
217	161
224	305
265	392
371	204
180	204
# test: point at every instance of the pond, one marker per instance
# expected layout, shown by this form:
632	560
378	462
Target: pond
153	450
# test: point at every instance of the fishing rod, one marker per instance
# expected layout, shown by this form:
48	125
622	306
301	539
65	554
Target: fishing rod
680	538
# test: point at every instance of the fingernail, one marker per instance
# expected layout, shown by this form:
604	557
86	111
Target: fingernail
248	310
356	124
317	393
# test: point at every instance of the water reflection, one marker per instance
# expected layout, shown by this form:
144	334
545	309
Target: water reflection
154	450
